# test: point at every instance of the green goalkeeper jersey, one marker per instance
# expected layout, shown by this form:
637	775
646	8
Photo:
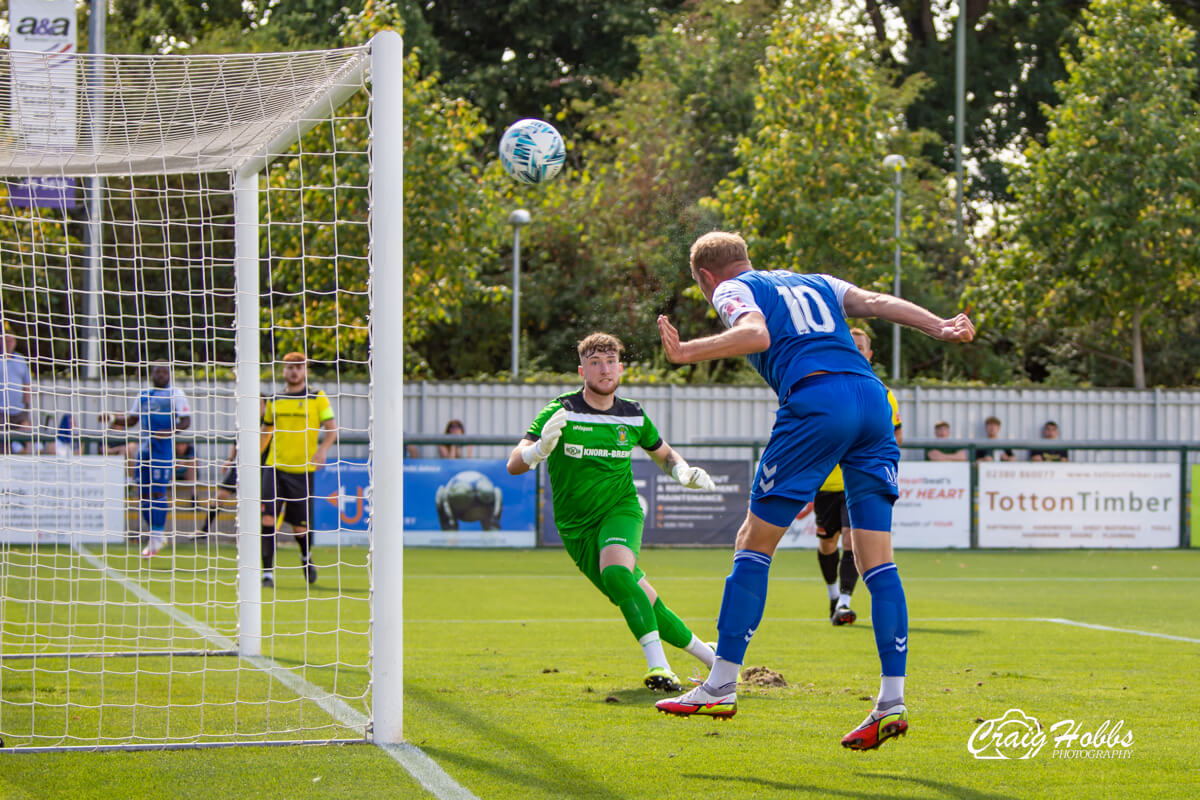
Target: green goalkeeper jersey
589	469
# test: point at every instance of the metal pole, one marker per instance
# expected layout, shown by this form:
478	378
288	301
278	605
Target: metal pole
960	83
386	260
516	308
896	162
516	219
96	22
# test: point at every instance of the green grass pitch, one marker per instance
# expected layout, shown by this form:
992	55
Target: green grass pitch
521	681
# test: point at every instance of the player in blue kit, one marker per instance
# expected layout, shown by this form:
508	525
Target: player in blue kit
160	411
832	409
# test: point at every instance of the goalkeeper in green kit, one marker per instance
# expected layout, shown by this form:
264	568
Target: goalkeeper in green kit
587	438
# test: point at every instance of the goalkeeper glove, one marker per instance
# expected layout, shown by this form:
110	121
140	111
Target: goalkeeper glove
537	452
692	477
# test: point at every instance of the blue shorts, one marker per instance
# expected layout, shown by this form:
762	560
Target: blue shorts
830	419
154	477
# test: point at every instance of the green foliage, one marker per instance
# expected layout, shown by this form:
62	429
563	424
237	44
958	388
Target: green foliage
226	26
1104	253
1012	63
532	57
607	249
811	193
317	239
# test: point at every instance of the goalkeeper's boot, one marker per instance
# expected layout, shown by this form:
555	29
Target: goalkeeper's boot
661	679
157	540
843	616
268	579
877	728
699	702
310	572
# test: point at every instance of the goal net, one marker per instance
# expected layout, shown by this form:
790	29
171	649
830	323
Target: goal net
186	435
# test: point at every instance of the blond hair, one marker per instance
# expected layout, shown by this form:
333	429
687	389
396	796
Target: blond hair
600	343
294	358
717	250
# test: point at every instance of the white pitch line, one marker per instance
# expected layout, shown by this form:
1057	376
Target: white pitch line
774	578
603	620
818	620
427	772
1133	631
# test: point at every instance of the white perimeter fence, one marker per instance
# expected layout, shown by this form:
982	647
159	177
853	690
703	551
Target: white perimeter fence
687	415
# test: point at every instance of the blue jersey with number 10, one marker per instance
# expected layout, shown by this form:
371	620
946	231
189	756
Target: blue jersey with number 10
806	321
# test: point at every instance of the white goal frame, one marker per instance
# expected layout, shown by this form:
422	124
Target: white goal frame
386	359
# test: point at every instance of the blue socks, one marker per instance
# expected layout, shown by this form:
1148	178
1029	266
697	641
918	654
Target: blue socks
155	507
743	603
889	617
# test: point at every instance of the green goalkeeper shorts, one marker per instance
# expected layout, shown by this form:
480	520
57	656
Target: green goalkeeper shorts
584	546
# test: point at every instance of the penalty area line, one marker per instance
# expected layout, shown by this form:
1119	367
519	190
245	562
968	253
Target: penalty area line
806	579
424	769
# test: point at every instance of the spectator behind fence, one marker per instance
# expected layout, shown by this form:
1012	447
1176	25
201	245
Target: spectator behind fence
454	427
66	437
15	394
1049	431
992	426
942	431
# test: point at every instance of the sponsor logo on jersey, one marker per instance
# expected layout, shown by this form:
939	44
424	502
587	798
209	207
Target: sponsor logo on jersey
730	307
579	451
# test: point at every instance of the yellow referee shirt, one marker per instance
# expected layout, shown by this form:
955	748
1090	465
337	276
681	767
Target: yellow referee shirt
834	482
296	420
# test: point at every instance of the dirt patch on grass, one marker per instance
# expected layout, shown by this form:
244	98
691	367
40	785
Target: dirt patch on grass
763	676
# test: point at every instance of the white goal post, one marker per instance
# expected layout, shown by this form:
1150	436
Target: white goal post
251	206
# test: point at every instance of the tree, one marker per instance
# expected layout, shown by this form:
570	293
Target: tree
810	193
520	59
1012	63
450	222
1105	249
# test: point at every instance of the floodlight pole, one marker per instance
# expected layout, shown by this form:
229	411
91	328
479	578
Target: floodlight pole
517	219
960	91
896	163
97	16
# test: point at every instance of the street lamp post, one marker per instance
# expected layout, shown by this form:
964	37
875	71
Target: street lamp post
896	163
960	103
517	219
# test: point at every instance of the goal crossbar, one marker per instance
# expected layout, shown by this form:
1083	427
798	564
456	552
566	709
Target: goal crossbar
238	118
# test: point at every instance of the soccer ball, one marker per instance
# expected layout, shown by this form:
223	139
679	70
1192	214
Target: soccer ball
532	151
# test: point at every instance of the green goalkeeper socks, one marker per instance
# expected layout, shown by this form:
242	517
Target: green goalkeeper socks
672	629
622	589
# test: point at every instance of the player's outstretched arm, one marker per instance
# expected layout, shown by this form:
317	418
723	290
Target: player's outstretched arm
862	303
528	453
516	464
748	335
670	462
